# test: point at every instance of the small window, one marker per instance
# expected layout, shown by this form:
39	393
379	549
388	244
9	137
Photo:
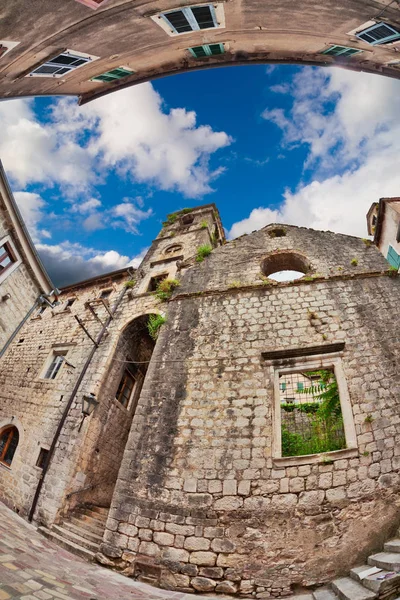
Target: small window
55	365
69	302
380	33
61	65
311	414
374	220
113	75
207	50
7	257
9	438
393	258
173	249
398	233
341	51
42	458
191	18
105	294
187	219
155	281
125	389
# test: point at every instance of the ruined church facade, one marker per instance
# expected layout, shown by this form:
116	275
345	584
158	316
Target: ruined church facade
189	463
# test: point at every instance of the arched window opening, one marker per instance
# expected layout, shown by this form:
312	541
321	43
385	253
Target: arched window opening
9	439
285	266
187	219
173	249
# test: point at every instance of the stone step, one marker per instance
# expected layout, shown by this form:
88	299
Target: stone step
93	537
374	578
324	593
79	539
302	597
87	525
86	513
390	561
68	545
392	545
348	589
103	510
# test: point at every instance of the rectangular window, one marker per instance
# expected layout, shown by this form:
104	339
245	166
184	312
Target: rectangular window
55	365
191	18
313	423
380	33
69	303
105	294
398	233
42	458
393	257
125	389
7	257
206	50
113	75
155	281
341	51
61	65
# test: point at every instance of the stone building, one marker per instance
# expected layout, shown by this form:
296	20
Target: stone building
179	476
383	221
23	280
89	48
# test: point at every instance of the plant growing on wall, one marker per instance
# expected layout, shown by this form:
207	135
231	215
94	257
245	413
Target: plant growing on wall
202	252
153	325
165	288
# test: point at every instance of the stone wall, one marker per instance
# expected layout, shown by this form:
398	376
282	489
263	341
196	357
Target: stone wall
201	503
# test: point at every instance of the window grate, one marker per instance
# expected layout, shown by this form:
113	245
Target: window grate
207	50
341	51
380	33
113	75
191	18
311	416
60	65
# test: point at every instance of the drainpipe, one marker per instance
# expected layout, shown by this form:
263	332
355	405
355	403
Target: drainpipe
69	404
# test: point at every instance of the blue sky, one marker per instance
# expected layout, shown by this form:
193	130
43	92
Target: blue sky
306	146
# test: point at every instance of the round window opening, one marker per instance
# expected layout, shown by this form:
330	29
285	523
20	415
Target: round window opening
285	266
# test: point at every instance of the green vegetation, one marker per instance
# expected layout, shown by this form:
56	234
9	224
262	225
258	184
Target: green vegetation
354	262
130	284
324	431
203	225
153	325
392	271
202	252
235	284
368	419
171	219
368	242
165	288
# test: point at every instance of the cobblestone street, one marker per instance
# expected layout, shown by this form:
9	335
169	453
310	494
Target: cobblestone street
34	568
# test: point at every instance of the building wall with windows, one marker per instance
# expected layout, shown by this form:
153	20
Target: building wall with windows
22	277
383	220
203	495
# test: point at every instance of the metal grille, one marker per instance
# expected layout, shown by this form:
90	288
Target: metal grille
311	417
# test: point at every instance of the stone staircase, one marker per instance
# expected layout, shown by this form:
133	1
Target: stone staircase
379	579
81	532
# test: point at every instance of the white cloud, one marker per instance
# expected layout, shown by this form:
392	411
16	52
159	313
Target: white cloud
68	263
86	207
127	216
350	123
130	132
32	207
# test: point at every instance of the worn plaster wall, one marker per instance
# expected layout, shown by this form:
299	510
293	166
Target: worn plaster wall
201	503
18	283
390	227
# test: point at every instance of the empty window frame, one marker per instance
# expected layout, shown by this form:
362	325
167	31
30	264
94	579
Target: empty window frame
7	257
398	233
105	294
113	75
155	281
191	18
206	50
61	65
393	258
42	458
341	51
55	365
69	303
125	389
9	439
187	219
380	33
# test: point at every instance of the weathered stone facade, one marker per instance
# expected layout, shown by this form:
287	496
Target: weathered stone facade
202	500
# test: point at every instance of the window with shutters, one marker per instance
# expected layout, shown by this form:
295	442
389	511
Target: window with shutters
379	33
9	439
191	18
341	51
207	50
62	64
113	75
393	258
7	256
125	389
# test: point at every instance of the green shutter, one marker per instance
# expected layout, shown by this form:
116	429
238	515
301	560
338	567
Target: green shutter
207	50
341	51
393	258
300	386
113	75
